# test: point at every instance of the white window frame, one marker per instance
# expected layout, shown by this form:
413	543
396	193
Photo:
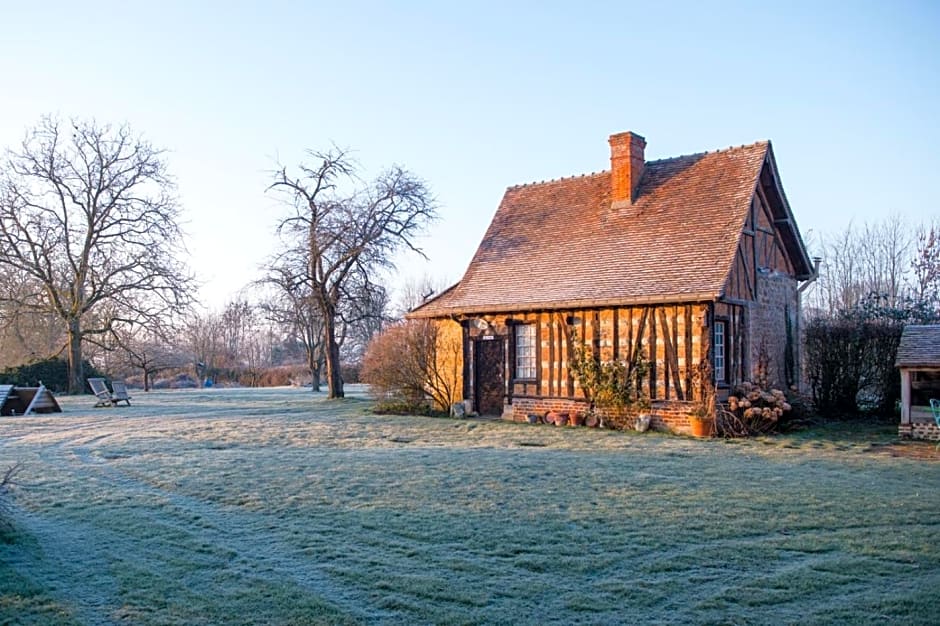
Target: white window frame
721	344
525	351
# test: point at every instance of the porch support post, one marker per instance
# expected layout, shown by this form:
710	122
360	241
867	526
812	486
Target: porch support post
905	396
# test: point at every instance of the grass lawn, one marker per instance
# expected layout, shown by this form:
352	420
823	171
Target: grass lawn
280	507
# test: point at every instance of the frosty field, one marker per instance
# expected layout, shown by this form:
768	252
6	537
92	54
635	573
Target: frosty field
279	507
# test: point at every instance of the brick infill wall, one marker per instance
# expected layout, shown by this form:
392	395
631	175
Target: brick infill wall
667	416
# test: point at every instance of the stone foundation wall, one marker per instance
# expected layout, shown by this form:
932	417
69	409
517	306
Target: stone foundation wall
523	407
920	430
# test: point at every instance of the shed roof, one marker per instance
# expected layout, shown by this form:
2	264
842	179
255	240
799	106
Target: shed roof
920	346
560	244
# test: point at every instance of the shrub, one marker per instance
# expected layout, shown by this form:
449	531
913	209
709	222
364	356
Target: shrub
283	375
752	410
352	373
850	357
53	373
413	361
613	387
400	407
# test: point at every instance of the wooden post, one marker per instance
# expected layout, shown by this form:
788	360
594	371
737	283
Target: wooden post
905	396
36	397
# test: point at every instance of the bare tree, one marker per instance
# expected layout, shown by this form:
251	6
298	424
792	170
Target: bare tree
203	333
925	279
867	263
148	350
89	213
291	305
363	314
237	327
350	235
416	292
25	335
885	249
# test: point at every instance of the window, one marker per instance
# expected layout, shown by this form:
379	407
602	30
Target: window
525	351
720	370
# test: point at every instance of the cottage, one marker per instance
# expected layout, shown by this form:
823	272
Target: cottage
688	261
918	360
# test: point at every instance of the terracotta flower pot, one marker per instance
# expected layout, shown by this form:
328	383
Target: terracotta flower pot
702	426
575	419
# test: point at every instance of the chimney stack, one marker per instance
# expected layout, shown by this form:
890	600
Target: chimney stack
626	167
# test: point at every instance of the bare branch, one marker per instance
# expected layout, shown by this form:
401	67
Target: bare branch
90	214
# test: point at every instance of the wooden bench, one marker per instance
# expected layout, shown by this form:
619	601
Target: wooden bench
106	398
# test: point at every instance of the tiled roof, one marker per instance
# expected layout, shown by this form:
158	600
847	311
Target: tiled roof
559	244
920	345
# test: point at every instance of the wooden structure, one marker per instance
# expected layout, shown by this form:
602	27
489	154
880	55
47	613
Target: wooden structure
27	400
918	360
107	398
119	392
690	260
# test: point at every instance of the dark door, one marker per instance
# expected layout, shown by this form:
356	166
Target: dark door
488	376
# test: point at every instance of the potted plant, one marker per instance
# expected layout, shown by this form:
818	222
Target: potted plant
702	417
702	425
643	419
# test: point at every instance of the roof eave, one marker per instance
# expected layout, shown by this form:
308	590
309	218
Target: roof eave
802	265
564	305
415	312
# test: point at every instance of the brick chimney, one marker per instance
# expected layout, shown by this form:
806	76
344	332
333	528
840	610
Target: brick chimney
626	167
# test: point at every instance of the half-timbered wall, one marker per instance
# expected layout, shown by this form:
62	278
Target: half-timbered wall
761	303
760	250
670	337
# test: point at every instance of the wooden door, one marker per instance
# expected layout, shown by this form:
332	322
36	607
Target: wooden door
488	376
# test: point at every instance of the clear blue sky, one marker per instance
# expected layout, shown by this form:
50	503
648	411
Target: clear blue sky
475	97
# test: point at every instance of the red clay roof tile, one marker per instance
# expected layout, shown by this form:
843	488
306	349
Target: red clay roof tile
559	244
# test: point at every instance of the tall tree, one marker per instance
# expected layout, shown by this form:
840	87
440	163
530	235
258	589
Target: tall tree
89	212
351	233
925	282
292	307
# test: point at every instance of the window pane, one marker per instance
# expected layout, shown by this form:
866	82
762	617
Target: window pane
720	351
525	351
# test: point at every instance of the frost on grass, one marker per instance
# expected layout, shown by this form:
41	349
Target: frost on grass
7	480
277	506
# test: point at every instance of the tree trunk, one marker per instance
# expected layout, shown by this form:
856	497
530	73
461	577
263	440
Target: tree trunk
76	375
146	380
314	364
334	376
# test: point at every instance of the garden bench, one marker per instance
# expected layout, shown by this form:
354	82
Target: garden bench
119	392
105	397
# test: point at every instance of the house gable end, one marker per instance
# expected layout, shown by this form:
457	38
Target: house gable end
771	190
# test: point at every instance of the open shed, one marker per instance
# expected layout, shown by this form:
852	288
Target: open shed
919	361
